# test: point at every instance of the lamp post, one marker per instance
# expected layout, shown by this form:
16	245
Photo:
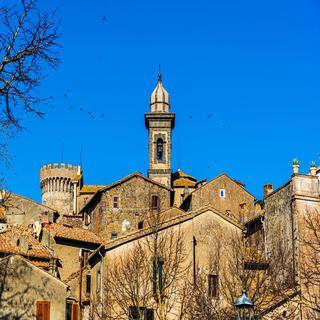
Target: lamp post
244	306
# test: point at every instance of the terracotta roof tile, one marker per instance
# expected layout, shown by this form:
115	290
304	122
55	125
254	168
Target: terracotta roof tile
91	188
19	240
73	233
183	182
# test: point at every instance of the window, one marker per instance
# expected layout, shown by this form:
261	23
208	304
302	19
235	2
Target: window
140	313
136	313
88	284
154	202
160	149
149	314
213	285
84	256
75	311
115	202
43	310
140	225
113	235
222	193
72	312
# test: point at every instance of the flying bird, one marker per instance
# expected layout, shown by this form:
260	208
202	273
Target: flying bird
81	109
103	114
209	115
104	18
190	116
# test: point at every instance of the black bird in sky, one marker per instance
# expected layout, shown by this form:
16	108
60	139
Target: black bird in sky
190	116
104	18
209	115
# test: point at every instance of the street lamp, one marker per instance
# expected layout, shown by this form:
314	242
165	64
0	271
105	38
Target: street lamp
244	306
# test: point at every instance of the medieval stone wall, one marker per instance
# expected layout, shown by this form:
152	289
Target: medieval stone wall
236	197
134	201
279	235
24	211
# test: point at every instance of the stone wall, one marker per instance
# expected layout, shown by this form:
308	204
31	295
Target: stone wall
279	235
24	285
209	194
213	235
24	211
134	206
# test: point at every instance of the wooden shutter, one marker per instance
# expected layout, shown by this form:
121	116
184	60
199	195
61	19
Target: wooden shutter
43	310
75	312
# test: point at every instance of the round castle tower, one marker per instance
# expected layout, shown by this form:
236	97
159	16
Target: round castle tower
58	183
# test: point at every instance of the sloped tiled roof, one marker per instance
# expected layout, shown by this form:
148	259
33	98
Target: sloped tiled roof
183	182
73	233
91	188
18	240
181	174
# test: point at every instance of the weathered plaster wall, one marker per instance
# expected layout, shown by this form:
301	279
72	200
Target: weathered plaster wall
24	285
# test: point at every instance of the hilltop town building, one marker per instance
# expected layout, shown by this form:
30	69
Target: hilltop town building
79	231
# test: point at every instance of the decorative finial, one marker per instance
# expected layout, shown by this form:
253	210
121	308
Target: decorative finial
159	74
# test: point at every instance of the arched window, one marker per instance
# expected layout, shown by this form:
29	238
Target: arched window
160	149
155	203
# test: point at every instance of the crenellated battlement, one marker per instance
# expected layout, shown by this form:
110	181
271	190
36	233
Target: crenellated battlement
58	182
59	170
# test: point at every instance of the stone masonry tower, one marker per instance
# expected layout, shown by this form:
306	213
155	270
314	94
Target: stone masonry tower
160	122
59	185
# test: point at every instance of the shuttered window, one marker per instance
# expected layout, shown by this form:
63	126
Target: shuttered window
43	310
75	311
213	285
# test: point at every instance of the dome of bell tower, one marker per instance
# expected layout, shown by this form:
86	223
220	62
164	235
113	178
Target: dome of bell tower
159	101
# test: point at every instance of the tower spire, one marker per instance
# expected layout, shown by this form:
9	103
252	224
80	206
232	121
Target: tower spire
159	74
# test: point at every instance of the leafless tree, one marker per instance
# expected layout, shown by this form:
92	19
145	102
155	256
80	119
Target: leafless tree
150	276
310	264
238	266
28	41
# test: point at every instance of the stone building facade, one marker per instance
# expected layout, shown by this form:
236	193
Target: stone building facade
124	205
199	230
27	292
224	194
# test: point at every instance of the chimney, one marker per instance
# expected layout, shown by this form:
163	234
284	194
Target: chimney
267	189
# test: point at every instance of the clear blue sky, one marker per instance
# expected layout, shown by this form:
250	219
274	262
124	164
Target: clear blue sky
254	65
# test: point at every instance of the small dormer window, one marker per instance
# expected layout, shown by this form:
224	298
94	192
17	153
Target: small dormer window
160	149
222	193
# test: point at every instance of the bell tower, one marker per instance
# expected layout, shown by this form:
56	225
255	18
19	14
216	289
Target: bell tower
160	122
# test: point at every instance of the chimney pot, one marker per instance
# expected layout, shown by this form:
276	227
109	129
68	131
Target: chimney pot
267	189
